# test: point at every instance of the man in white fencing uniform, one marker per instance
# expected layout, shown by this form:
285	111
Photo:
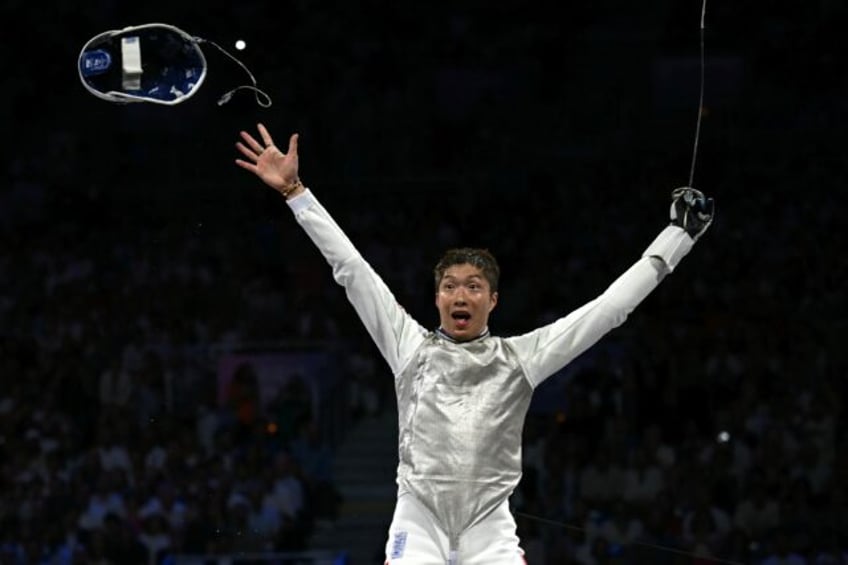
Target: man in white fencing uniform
462	393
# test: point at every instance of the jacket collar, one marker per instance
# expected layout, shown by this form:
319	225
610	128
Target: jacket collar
446	336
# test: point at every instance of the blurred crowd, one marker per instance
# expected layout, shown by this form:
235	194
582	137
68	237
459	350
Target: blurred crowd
713	453
710	426
716	429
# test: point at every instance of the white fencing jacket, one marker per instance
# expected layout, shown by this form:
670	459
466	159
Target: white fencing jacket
462	405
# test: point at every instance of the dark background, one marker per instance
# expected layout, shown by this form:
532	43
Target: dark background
550	133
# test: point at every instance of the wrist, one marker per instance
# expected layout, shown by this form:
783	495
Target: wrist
292	189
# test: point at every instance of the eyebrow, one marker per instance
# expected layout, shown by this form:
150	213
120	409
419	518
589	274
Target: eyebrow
468	278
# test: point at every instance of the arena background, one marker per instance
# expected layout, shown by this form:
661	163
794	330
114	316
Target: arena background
180	376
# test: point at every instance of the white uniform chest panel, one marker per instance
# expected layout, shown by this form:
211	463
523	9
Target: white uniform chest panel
462	409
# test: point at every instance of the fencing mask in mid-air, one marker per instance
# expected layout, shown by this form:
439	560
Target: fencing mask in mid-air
156	63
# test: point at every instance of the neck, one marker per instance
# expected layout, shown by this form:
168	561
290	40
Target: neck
442	333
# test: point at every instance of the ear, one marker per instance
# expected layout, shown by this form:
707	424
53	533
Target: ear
493	301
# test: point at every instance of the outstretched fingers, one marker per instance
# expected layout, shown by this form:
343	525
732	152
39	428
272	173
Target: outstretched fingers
247	152
247	165
266	137
252	157
252	143
252	149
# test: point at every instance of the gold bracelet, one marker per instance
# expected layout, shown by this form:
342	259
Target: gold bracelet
286	191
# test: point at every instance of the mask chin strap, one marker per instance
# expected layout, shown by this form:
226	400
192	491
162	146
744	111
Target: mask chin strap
261	97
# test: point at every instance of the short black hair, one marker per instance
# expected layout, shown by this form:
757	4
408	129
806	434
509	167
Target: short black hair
480	258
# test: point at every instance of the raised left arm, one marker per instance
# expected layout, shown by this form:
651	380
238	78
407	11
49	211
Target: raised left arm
546	350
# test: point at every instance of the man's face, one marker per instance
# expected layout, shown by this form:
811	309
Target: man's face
464	299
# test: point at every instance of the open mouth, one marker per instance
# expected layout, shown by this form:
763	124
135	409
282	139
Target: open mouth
461	319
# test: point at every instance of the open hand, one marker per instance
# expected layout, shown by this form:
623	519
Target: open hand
276	169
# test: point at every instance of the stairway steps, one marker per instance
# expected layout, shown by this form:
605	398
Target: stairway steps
365	467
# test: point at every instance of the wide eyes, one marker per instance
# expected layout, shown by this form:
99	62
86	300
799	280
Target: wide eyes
473	287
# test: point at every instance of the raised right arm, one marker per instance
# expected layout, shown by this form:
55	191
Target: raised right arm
395	332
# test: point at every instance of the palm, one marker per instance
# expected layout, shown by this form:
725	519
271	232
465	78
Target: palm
276	169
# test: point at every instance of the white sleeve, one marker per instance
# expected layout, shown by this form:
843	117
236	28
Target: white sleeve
396	334
548	349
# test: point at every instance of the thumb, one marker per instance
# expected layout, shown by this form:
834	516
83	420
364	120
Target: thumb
293	144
